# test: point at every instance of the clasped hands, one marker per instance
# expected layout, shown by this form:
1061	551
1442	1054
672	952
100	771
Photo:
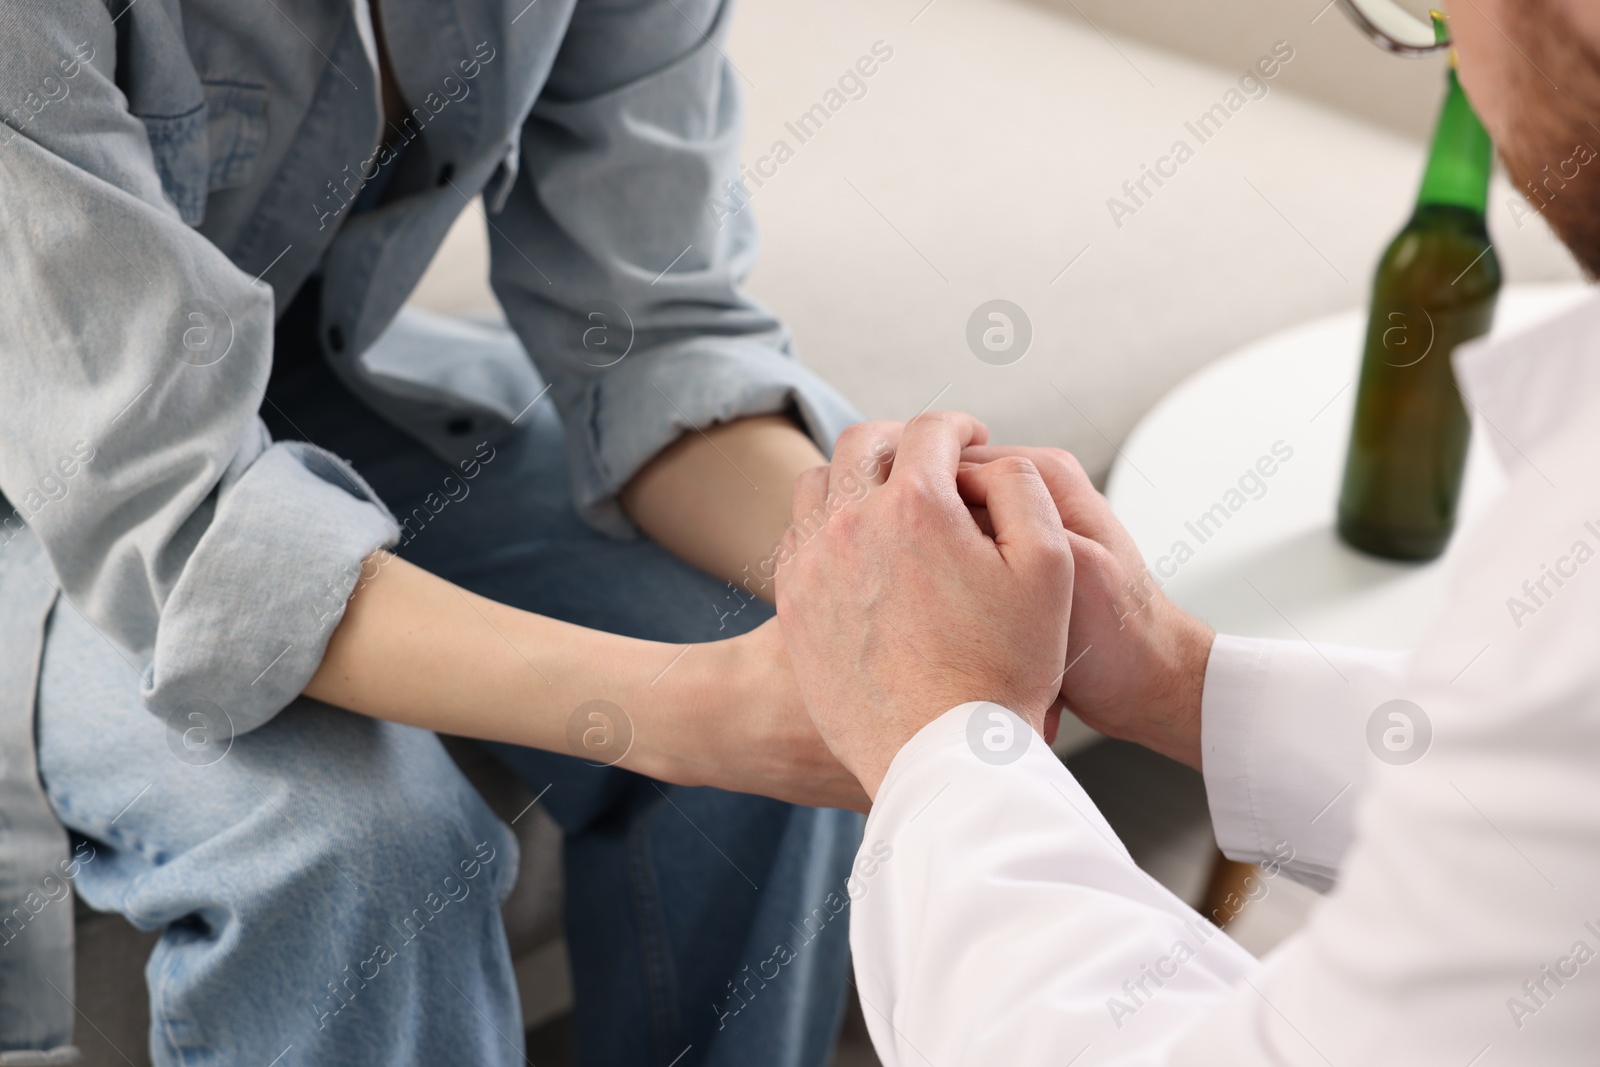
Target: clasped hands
925	568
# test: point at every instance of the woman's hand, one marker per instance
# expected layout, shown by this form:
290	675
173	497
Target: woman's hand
741	725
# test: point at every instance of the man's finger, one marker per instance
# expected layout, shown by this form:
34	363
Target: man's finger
930	447
862	457
1019	505
810	490
808	512
1052	721
1080	505
980	515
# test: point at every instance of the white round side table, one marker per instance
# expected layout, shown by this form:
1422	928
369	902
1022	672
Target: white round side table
1255	553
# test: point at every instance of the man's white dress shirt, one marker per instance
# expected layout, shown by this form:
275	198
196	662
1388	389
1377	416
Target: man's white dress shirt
1456	834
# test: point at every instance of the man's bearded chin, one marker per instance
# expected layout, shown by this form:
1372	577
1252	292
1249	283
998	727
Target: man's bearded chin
1552	151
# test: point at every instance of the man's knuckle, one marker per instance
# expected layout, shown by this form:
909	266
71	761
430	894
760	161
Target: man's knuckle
917	490
1064	463
803	483
1052	564
862	435
846	524
1017	467
1092	555
944	421
852	436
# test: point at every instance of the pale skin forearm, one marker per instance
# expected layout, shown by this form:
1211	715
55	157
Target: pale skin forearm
416	649
721	499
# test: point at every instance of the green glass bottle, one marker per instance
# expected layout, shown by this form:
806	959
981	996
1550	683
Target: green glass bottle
1435	288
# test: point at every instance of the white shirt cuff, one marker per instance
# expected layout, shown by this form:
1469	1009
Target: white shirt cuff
1283	748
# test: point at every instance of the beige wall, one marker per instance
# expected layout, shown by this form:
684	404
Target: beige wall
1333	63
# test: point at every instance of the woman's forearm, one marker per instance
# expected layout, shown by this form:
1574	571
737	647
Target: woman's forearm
720	499
417	649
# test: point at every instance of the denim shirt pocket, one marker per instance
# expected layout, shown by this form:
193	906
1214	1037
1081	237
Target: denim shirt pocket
213	145
178	143
236	127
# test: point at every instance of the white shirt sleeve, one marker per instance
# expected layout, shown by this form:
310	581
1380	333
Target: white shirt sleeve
997	920
1283	728
1000	921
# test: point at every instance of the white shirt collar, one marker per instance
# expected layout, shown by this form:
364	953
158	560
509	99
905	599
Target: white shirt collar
1529	386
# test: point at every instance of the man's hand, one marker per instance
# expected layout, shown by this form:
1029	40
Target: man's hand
898	607
1136	663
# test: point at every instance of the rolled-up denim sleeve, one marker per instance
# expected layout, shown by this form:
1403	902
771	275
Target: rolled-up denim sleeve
620	250
133	358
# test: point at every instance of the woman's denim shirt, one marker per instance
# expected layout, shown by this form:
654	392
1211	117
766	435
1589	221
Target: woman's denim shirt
172	172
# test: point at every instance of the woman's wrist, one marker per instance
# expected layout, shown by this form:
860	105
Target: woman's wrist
678	705
732	717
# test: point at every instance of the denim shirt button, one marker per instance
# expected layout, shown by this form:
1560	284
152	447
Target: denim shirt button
336	339
446	172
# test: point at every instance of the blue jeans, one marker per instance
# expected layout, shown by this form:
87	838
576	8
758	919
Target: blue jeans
329	889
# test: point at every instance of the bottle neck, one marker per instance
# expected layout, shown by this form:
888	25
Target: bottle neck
1461	159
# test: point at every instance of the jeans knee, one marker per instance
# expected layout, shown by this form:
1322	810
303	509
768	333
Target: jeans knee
455	889
398	824
429	852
